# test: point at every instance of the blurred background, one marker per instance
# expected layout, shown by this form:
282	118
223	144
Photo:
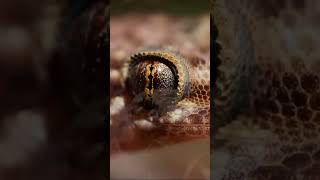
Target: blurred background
174	7
52	94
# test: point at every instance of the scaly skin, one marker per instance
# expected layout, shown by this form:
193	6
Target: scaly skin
189	118
268	82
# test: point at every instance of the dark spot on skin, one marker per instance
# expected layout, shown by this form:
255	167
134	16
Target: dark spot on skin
315	101
279	131
316	156
310	82
297	161
206	87
282	95
276	120
291	123
308	148
304	114
290	80
316	118
288	110
299	98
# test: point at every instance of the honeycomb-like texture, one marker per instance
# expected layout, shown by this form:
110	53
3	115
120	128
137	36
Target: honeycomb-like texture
131	126
277	135
199	75
288	103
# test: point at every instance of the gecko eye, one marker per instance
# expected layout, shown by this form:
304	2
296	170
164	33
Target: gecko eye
157	78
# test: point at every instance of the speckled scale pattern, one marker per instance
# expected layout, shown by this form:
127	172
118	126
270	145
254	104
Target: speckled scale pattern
134	128
277	135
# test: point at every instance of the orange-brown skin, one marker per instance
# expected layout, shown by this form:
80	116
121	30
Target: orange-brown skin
134	127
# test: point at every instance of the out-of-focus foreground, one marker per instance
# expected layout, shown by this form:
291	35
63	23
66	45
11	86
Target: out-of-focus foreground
51	124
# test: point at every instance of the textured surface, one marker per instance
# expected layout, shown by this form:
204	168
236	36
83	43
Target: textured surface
267	90
190	117
151	133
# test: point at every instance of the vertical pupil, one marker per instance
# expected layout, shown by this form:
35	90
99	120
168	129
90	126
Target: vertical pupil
150	78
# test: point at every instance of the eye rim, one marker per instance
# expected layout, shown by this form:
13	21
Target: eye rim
173	60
